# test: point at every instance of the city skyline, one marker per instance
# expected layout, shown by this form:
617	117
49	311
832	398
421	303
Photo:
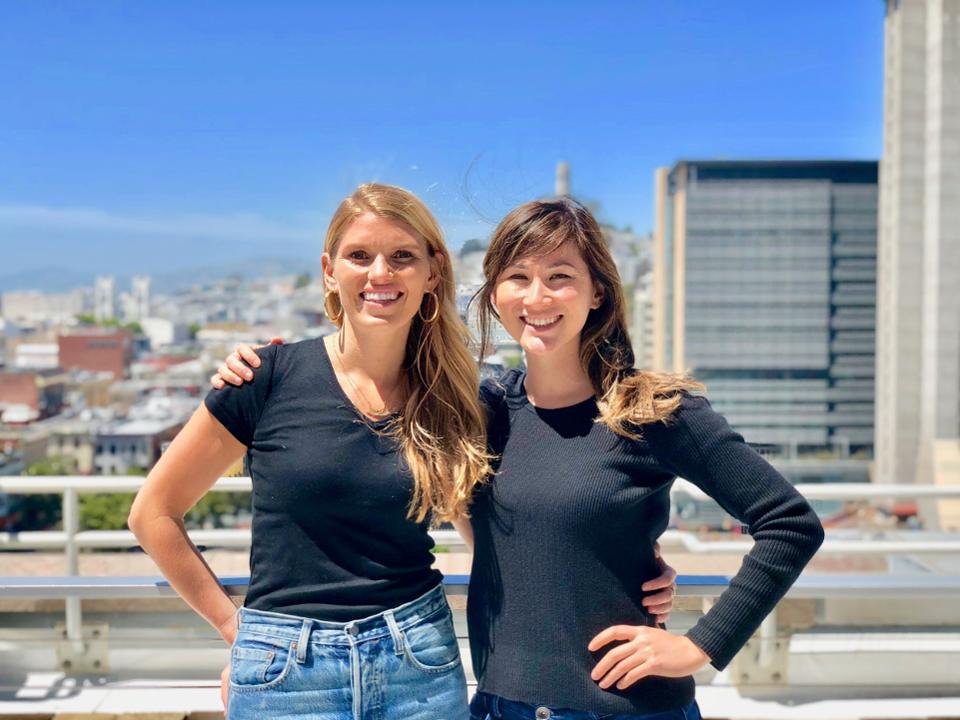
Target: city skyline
135	144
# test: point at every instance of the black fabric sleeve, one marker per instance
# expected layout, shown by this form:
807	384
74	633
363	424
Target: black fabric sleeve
239	408
698	445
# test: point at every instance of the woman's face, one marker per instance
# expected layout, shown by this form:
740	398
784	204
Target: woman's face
381	271
543	301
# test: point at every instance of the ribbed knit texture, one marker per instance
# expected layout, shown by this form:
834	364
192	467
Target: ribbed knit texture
564	540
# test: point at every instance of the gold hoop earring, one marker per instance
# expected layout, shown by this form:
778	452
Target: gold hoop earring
436	311
333	307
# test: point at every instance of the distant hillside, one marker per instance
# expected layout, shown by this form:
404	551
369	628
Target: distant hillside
55	278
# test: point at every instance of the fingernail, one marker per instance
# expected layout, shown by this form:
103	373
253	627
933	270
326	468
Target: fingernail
248	375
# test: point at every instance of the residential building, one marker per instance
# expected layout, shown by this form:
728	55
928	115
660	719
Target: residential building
97	350
30	394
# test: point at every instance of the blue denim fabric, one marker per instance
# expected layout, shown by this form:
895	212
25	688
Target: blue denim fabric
485	706
403	664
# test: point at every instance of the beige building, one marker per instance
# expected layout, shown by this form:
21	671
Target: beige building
918	284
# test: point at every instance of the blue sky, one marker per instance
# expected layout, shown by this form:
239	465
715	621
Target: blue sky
151	136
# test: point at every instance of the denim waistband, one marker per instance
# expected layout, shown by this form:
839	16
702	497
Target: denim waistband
498	708
281	625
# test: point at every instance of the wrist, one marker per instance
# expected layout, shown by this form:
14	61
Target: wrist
228	627
696	653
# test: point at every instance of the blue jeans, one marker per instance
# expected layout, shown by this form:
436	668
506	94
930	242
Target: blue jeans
403	664
485	706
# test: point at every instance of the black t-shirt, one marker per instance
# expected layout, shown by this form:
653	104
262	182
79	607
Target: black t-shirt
331	539
564	535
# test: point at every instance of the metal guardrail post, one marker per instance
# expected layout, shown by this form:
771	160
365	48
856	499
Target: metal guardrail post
71	525
76	653
763	659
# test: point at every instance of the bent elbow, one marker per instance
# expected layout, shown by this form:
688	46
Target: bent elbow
135	520
138	517
815	534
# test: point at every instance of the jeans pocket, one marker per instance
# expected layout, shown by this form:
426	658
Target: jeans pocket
431	644
257	664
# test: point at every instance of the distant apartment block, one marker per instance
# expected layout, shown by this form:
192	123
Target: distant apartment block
132	446
27	395
641	324
764	288
73	442
37	307
36	356
96	350
918	287
163	333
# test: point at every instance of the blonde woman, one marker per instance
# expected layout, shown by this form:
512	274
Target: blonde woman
355	442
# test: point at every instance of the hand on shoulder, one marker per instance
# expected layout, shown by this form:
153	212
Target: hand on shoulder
236	367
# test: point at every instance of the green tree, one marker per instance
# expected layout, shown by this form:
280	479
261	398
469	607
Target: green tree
303	279
194	329
86	319
105	511
213	507
134	327
40	512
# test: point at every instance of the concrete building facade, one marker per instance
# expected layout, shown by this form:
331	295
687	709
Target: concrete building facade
764	289
918	286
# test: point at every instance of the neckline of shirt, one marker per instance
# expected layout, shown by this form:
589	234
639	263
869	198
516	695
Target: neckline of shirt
347	402
517	397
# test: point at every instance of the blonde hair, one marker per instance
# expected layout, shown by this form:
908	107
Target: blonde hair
442	426
627	397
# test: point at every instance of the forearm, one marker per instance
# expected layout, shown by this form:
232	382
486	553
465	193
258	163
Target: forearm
703	448
185	472
465	529
165	540
780	552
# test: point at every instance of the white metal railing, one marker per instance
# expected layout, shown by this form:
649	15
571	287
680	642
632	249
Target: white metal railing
807	586
71	539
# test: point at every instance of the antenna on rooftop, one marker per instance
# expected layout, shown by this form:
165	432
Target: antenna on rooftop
562	186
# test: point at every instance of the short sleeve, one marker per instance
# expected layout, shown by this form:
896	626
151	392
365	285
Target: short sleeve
239	408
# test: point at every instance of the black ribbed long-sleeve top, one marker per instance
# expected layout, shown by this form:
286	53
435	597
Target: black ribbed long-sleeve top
564	537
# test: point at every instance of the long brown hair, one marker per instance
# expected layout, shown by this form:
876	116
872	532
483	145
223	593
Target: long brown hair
442	427
627	397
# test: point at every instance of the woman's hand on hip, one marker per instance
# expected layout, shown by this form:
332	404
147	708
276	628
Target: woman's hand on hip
225	686
644	651
235	369
660	603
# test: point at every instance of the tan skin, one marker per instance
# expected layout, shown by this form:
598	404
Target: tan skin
543	303
381	271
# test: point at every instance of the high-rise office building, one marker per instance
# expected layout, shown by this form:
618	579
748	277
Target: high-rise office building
764	288
104	298
918	285
140	296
